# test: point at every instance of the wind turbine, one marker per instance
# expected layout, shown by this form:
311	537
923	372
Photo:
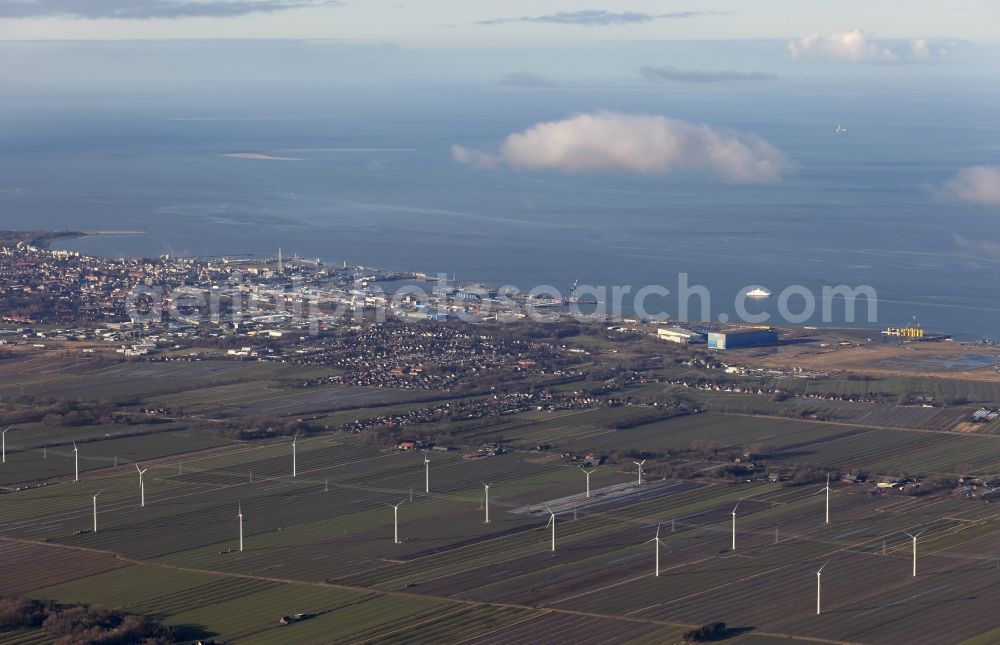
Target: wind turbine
818	574
915	536
827	490
142	486
76	463
552	521
395	521
294	464
4	433
427	474
658	541
734	524
239	516
486	496
588	473
639	464
95	509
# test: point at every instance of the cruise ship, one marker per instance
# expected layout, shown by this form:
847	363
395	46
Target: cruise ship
759	292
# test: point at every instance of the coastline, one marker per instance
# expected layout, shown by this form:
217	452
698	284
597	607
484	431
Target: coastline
47	238
44	239
39	238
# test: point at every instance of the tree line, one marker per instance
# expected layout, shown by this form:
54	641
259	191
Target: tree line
81	624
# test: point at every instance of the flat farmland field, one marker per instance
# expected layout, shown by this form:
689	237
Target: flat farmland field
22	573
268	398
550	561
86	378
217	386
323	542
555	428
882	415
205	605
889	451
97	453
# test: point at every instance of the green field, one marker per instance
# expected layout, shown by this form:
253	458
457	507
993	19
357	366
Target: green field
323	541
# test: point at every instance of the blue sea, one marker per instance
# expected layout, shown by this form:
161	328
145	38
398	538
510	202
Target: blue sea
365	174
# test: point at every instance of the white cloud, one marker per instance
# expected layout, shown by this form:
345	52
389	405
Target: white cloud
150	9
527	80
979	184
669	74
858	47
597	18
474	157
640	143
977	247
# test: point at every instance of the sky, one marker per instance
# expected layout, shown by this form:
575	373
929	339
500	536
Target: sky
516	43
464	22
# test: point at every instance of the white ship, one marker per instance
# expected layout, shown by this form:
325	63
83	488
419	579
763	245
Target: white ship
841	129
759	292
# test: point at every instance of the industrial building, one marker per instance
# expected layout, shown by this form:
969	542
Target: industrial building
742	337
904	332
680	335
476	293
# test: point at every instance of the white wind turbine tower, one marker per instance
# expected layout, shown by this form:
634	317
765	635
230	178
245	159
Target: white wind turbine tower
4	433
818	574
734	524
588	473
239	516
658	541
914	537
95	509
827	491
395	521
486	496
76	463
142	486
294	461
639	464
427	474
552	521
